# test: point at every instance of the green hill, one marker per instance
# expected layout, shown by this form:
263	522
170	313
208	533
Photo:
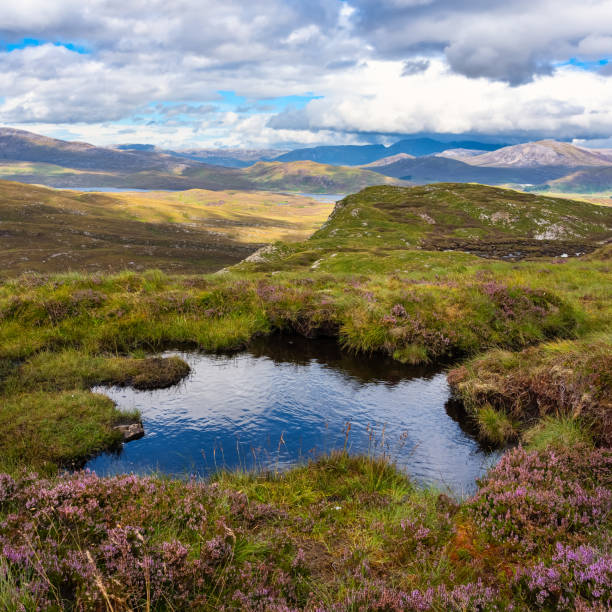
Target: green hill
487	221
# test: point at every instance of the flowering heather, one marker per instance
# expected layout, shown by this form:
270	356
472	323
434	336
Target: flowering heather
533	498
342	533
573	577
375	596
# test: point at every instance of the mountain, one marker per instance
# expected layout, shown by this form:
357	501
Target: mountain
344	155
541	153
386	161
355	155
460	153
419	147
432	169
20	145
230	158
305	176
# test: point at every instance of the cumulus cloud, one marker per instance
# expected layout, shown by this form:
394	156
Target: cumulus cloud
378	66
564	104
511	41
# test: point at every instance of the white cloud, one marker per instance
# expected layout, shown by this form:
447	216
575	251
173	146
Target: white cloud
468	65
377	98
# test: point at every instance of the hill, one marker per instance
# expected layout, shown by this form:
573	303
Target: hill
198	231
584	180
312	177
354	155
433	169
30	158
541	153
486	221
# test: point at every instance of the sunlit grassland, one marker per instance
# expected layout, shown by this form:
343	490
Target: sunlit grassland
197	231
604	198
245	216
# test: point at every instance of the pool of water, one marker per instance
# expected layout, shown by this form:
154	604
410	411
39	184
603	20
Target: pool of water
287	399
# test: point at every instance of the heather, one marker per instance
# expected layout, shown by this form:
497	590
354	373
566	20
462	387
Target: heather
340	533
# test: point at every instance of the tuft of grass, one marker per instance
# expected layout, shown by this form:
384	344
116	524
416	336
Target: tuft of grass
494	425
558	433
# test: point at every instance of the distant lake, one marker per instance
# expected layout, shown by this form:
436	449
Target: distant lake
324	197
288	399
319	197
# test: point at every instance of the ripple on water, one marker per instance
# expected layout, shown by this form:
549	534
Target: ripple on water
233	409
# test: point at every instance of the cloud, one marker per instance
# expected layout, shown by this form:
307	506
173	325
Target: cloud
512	41
566	103
379	66
411	67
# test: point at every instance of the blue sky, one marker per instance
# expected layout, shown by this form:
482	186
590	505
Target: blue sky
285	73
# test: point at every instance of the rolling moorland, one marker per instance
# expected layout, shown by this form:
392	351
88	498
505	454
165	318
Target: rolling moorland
45	230
488	280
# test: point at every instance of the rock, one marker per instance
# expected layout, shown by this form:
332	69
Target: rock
130	432
262	255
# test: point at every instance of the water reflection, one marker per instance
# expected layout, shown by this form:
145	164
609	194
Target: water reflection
286	399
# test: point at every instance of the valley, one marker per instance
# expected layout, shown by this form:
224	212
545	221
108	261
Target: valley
192	231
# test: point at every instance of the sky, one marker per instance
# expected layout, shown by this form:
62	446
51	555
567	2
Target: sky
292	73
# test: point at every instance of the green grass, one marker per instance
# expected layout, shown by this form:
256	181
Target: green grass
42	430
494	425
376	287
559	433
567	383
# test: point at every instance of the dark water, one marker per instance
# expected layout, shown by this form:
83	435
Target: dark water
288	399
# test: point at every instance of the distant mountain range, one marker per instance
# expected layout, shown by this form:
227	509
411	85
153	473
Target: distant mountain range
542	165
31	158
354	155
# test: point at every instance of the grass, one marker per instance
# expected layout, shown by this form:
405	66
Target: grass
42	430
567	383
494	425
558	433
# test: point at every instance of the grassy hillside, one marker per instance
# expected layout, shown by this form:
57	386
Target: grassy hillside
585	180
305	176
309	177
488	221
45	230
